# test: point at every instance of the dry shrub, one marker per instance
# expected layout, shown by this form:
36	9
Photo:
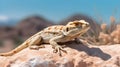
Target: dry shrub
112	19
112	33
104	38
115	35
107	34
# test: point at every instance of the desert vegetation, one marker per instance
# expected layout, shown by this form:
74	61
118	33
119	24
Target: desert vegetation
104	34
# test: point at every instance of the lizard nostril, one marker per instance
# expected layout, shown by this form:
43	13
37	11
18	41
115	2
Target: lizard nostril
87	24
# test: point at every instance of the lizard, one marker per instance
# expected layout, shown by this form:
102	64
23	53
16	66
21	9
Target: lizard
53	35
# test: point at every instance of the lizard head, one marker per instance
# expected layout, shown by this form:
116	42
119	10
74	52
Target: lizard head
78	26
78	23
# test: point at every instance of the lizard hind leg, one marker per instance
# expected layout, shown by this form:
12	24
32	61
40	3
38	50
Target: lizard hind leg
35	43
36	47
85	42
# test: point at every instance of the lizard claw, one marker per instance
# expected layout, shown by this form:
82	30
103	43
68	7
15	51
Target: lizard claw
58	50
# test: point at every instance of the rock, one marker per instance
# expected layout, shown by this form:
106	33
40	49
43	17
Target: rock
77	55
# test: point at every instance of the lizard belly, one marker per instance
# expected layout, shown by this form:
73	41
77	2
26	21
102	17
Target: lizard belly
47	36
65	39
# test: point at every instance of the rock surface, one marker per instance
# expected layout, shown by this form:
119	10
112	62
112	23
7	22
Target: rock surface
78	55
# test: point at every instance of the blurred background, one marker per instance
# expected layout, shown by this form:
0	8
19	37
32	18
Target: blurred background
20	19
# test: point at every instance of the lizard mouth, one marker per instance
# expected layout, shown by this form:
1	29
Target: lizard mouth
85	29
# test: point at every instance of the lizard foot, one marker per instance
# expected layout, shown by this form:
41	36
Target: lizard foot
37	47
58	50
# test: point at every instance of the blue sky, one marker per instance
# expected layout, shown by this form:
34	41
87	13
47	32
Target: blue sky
57	10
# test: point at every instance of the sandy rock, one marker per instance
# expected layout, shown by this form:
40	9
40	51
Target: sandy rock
77	55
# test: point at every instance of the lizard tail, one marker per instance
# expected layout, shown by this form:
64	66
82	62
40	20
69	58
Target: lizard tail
16	50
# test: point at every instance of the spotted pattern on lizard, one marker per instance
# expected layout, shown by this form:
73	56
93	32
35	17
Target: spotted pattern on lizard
53	35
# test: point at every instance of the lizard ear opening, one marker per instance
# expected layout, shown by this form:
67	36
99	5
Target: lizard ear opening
67	29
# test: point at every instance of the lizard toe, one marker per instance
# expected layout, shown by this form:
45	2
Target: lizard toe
58	50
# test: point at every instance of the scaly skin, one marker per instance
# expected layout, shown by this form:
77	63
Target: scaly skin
53	35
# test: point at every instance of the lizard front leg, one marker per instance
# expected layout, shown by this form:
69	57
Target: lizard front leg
78	41
57	48
85	42
35	43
